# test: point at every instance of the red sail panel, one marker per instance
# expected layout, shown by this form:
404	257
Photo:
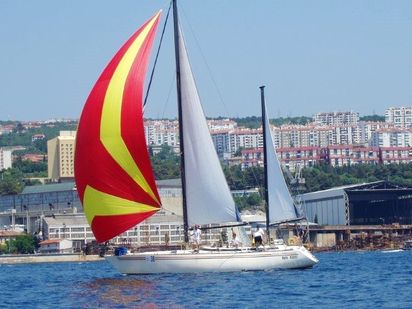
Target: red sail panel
113	173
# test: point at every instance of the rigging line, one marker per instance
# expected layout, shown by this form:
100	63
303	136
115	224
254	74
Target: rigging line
204	59
157	56
219	94
172	83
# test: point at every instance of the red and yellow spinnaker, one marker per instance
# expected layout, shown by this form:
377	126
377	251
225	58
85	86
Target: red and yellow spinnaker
114	176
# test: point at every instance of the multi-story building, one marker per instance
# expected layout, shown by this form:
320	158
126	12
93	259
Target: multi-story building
252	157
293	158
60	152
391	137
401	117
396	155
37	137
5	159
290	157
340	155
221	124
367	128
336	118
245	138
159	132
221	141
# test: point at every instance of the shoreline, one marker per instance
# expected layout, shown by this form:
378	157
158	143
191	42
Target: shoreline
48	258
75	257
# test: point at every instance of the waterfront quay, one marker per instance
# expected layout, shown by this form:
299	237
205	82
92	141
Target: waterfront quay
47	258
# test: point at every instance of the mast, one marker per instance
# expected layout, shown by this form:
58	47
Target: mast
265	158
179	106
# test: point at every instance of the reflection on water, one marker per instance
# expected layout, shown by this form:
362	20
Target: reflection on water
121	291
344	280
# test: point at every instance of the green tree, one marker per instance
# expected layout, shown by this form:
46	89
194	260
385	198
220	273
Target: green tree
23	244
11	181
166	163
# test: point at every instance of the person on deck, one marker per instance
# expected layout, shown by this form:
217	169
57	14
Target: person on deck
197	236
235	240
258	236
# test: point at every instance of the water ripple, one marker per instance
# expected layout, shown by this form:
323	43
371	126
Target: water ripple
350	279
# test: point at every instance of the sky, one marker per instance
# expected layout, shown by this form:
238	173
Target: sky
313	56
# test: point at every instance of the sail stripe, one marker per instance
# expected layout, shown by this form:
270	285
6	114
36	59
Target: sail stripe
110	129
102	204
116	193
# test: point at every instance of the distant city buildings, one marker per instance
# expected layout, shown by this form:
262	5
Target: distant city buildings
336	138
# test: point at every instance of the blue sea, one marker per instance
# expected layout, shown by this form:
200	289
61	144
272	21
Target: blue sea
340	280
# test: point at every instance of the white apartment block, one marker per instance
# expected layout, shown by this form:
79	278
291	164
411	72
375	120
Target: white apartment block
221	124
391	137
5	159
60	152
159	132
401	117
367	128
336	118
245	138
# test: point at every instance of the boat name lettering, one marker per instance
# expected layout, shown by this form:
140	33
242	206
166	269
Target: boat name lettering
150	258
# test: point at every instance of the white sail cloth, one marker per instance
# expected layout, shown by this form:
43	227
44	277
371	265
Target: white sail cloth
281	206
208	196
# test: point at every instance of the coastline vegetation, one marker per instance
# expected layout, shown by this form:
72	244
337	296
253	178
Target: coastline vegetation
23	244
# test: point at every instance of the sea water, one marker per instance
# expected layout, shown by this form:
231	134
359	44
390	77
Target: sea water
341	280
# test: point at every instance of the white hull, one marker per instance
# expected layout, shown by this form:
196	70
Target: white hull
188	261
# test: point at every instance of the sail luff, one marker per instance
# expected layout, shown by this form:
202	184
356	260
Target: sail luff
280	203
207	193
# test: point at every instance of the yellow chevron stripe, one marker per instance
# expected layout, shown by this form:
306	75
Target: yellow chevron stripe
98	203
110	126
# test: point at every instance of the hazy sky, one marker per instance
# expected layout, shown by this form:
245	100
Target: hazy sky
312	55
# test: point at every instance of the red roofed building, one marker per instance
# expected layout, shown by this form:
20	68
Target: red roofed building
56	246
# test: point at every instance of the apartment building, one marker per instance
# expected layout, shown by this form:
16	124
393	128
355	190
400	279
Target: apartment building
401	117
340	155
5	159
396	155
160	132
293	158
336	118
221	141
391	137
290	157
245	138
60	153
221	124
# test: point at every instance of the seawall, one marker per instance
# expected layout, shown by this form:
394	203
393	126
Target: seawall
48	258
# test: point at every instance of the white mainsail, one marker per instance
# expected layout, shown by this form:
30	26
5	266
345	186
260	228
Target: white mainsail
281	206
208	196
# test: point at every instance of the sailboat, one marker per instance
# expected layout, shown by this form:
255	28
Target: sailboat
115	180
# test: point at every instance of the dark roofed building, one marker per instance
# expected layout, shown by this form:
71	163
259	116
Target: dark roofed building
375	203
